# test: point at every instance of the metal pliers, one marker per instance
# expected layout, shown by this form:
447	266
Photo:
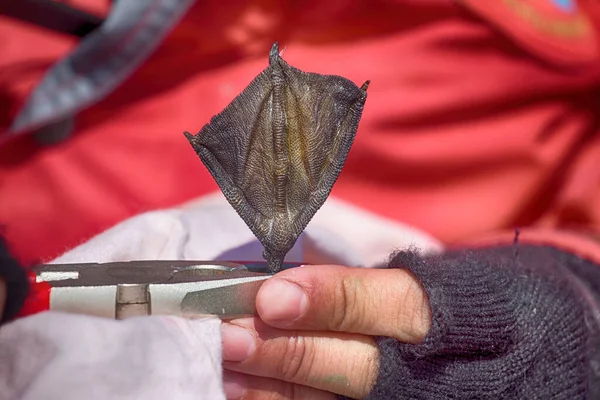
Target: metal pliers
135	288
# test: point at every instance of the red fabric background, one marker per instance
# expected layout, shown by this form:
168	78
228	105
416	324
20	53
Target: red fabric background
468	128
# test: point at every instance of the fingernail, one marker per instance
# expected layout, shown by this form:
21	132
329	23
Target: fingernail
281	300
238	343
234	386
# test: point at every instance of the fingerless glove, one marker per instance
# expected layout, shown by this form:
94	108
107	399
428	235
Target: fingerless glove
508	323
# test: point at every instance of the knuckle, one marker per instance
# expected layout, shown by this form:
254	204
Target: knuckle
298	359
348	311
413	318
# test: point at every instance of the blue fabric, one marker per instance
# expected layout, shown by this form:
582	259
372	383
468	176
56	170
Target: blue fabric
565	5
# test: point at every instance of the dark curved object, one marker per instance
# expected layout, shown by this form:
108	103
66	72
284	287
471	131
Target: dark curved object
52	15
278	148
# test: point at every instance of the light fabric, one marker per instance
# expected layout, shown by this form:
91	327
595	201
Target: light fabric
61	356
471	126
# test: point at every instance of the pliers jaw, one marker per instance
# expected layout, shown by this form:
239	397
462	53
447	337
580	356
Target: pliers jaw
136	288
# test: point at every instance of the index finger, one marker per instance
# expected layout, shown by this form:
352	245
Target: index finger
378	302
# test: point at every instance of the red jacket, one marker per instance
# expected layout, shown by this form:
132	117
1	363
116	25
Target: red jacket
479	119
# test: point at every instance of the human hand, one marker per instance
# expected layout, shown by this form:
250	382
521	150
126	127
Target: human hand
314	335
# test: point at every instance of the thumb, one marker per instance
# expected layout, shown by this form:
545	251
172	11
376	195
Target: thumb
378	302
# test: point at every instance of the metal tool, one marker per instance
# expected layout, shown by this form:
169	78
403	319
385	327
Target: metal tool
134	288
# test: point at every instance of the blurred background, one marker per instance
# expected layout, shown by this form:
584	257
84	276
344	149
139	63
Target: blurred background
480	117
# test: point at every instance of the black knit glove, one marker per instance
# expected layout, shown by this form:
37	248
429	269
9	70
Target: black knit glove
506	325
15	278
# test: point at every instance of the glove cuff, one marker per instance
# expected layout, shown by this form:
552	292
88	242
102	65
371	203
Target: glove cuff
473	303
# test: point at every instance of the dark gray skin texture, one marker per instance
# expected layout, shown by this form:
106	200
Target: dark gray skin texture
277	149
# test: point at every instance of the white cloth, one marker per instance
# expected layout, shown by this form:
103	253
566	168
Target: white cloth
60	356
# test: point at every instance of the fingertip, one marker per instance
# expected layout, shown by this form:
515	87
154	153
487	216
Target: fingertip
237	341
280	300
234	385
